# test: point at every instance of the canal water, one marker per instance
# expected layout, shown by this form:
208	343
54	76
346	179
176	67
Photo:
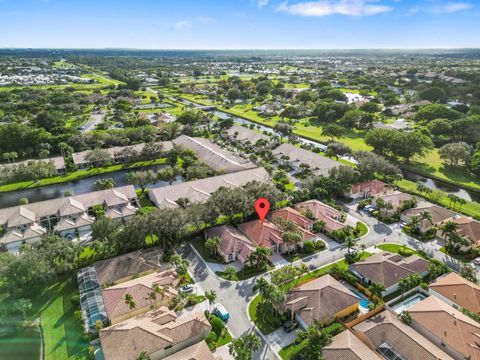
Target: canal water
433	184
76	187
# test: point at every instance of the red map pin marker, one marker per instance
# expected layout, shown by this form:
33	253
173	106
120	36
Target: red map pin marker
262	206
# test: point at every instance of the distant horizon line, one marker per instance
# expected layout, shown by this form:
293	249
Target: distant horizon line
238	49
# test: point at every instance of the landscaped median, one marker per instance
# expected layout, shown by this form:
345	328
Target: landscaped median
78	175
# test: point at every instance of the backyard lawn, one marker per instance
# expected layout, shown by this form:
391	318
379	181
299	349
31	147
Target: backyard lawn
63	335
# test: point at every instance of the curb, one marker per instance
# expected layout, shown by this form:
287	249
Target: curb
257	330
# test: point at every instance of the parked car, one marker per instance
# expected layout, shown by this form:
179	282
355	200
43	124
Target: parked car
221	312
289	325
477	261
187	288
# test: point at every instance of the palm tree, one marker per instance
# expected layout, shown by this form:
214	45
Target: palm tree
261	255
414	222
129	300
376	289
143	356
462	202
211	297
426	215
448	229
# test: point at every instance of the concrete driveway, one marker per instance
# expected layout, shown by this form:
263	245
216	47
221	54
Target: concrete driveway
280	339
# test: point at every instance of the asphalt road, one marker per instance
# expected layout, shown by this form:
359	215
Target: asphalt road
236	295
91	124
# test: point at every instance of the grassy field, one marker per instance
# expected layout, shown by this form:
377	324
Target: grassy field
471	208
432	165
77	175
63	335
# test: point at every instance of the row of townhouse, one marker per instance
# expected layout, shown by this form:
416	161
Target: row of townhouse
71	216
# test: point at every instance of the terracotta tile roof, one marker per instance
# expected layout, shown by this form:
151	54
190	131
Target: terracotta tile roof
324	213
319	299
232	241
372	187
386	328
387	268
151	332
291	214
199	351
264	234
346	346
139	288
449	325
459	290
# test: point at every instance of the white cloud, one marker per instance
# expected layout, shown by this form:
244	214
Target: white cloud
450	8
262	3
204	19
180	25
335	7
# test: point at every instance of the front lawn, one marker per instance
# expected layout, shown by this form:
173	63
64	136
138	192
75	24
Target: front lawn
244	274
267	324
199	245
402	250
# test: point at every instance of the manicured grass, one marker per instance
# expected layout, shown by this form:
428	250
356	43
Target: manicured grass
226	277
224	339
398	249
363	229
342	264
471	208
287	352
199	245
265	327
432	165
78	175
143	199
63	335
241	275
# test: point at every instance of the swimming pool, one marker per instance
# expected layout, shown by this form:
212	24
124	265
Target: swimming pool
364	302
407	303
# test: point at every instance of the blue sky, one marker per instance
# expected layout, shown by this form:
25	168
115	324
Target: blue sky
240	24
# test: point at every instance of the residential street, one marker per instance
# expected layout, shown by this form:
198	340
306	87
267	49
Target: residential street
235	296
91	124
